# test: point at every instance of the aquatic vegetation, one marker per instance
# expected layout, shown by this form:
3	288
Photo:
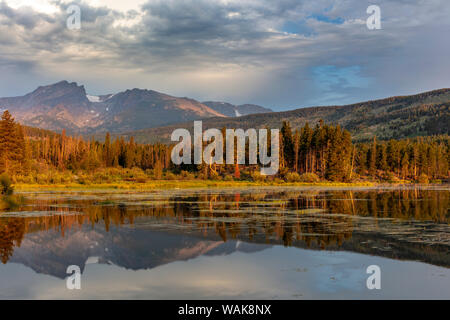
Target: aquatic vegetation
384	221
37	214
11	202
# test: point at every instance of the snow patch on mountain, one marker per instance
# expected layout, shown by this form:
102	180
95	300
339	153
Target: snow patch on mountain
92	260
93	98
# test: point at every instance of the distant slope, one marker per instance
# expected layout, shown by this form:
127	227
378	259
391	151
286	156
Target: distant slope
231	110
396	117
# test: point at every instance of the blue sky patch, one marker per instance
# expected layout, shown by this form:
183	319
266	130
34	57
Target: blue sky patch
328	77
324	18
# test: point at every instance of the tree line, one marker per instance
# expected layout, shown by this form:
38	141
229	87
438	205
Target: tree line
328	151
321	152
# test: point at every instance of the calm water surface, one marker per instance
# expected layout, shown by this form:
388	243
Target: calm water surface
262	243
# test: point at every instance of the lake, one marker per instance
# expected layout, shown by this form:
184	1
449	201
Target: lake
252	243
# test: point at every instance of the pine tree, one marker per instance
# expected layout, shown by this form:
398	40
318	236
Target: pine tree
405	165
288	144
305	148
373	158
296	149
393	156
108	158
382	157
362	159
339	155
130	154
12	142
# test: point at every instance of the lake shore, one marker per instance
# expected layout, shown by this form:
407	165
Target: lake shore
184	184
321	236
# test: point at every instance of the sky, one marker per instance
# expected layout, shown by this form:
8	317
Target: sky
282	54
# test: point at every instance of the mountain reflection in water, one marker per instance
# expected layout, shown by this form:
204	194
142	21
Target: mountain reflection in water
144	230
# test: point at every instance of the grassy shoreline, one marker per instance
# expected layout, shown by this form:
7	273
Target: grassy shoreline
186	184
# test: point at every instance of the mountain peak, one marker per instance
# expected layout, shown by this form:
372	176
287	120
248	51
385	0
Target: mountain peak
140	91
61	84
60	88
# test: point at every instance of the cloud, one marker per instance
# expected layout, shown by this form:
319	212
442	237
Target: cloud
267	52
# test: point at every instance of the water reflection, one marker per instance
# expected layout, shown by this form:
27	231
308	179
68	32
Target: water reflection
153	228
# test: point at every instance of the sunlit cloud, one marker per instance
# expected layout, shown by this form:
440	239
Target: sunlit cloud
43	6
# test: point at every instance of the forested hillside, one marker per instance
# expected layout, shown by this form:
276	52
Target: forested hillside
309	154
392	118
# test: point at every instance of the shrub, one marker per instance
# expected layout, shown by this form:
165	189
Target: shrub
309	177
283	172
257	176
388	176
28	179
187	175
41	179
6	185
214	175
423	179
202	176
136	172
292	177
102	177
170	176
228	178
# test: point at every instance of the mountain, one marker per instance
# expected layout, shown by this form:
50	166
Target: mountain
395	117
139	246
55	107
151	116
67	106
231	110
146	108
49	253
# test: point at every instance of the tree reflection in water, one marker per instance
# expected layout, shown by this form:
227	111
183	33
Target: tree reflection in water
408	223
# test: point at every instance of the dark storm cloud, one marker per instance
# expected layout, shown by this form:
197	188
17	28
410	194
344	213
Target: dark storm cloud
279	53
